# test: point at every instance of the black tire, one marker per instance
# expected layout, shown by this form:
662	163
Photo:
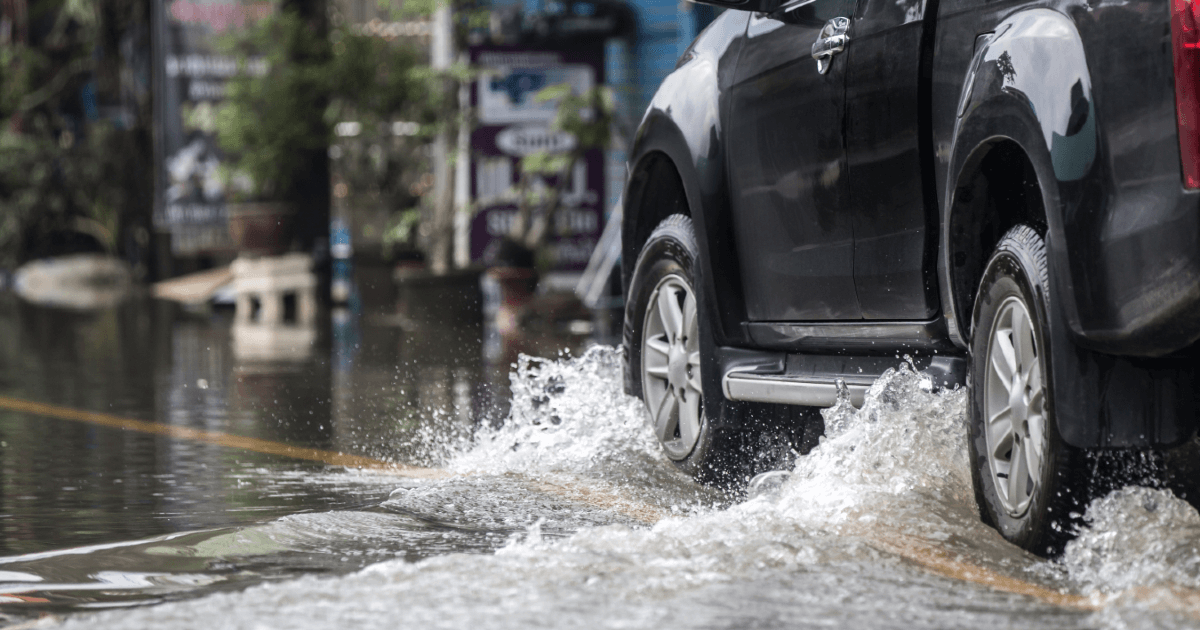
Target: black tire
669	261
1032	511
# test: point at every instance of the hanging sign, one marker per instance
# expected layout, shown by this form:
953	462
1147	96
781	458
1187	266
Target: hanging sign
513	124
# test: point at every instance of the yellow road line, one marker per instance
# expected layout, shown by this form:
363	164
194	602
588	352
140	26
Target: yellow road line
257	445
938	561
579	494
1172	599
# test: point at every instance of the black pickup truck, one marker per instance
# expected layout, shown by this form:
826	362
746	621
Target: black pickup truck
1007	190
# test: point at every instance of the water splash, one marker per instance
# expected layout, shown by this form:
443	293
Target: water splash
905	442
571	423
810	551
569	415
817	549
1136	537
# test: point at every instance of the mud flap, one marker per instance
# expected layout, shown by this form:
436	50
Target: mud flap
1106	401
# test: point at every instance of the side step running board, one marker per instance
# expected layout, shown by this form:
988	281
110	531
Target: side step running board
811	381
778	388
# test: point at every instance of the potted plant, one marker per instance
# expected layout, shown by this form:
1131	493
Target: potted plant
272	123
298	81
71	180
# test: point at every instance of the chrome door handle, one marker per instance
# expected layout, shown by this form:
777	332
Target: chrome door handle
830	42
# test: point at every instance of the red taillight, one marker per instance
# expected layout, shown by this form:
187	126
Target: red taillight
1185	37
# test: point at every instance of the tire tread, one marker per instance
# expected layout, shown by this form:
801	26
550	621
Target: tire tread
1066	489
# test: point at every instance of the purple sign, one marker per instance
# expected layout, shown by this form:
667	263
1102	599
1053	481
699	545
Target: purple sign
512	125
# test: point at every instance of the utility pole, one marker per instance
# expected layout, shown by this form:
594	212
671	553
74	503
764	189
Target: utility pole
313	195
437	226
462	178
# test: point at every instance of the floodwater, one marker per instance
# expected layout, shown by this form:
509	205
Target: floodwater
528	493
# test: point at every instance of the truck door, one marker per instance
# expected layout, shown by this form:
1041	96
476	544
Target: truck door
787	164
894	221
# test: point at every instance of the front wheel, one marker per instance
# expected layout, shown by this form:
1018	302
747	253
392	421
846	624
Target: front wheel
1027	480
665	352
671	365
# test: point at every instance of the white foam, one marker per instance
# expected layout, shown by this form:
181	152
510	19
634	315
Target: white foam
570	421
1136	537
804	552
568	415
812	551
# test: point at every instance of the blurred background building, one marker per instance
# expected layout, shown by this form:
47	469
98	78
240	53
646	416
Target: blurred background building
117	118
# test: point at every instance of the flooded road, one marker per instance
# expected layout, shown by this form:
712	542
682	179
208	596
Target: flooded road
539	499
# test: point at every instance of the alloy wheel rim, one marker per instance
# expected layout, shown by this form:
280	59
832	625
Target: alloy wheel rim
671	366
1014	408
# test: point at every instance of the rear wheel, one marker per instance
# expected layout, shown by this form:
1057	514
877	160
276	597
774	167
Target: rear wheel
1027	480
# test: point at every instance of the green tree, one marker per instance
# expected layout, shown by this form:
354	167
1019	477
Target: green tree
69	179
279	109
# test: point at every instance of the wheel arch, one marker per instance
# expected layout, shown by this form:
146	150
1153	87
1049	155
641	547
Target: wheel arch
1029	88
671	173
668	175
653	192
996	190
1024	137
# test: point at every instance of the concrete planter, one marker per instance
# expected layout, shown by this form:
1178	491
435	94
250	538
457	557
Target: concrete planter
261	228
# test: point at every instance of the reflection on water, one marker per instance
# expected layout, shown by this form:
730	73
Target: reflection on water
355	383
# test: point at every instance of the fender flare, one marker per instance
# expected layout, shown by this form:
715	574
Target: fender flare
1010	95
702	177
1049	111
684	126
